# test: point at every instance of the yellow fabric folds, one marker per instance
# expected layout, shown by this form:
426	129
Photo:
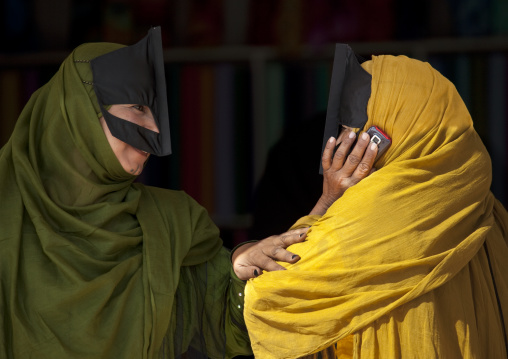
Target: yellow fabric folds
412	260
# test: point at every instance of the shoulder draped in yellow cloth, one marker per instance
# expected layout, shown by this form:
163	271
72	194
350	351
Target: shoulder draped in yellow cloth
413	260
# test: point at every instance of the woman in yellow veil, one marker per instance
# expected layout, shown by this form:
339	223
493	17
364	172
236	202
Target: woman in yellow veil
412	261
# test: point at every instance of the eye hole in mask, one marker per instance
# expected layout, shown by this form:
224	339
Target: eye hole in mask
135	75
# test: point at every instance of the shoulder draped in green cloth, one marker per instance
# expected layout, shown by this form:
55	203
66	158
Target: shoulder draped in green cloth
90	261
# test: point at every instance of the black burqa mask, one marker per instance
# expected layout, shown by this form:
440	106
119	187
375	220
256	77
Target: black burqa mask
135	75
350	90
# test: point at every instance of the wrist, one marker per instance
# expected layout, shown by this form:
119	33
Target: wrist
322	205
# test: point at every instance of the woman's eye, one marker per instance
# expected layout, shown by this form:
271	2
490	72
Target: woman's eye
139	107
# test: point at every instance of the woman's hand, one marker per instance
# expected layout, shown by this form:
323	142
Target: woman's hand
251	259
341	171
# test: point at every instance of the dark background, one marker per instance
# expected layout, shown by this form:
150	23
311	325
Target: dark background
248	82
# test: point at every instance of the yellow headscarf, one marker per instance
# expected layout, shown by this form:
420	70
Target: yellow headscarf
411	259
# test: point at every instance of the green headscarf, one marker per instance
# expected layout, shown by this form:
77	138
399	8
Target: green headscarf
88	263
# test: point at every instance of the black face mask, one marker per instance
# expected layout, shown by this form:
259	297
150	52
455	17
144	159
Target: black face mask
135	75
350	90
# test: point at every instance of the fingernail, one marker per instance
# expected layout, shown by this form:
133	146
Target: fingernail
301	234
365	136
293	257
331	139
352	134
256	272
373	146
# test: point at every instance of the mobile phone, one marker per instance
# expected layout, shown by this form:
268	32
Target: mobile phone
380	138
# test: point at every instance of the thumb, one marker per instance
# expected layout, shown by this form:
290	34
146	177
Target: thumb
247	272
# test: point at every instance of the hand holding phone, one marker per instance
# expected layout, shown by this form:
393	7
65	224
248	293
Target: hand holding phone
378	136
342	171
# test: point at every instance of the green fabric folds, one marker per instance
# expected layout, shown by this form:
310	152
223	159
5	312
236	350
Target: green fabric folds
90	261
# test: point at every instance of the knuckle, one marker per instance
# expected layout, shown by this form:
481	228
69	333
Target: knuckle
354	159
363	168
275	251
340	153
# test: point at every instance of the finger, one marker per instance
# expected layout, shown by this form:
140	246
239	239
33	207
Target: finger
340	155
290	237
282	255
245	273
270	265
326	160
364	168
356	154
